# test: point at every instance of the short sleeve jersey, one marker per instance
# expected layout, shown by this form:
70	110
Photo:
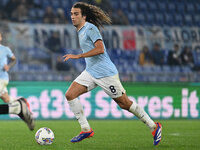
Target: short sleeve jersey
5	54
98	66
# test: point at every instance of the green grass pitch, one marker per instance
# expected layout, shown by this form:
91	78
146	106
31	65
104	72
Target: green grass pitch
109	135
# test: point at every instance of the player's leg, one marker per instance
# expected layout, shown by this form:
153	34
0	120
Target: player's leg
72	94
81	85
4	92
113	87
6	98
124	102
20	108
156	128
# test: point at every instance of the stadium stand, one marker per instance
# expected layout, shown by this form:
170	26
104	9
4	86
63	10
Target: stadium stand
143	13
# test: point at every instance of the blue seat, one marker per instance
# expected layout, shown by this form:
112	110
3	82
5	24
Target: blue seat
190	7
176	69
186	69
142	5
159	19
197	8
171	7
150	18
133	6
132	18
56	4
166	69
188	20
141	19
162	6
4	2
66	4
180	7
46	3
196	19
157	69
147	69
40	13
37	2
178	19
168	19
124	5
196	56
152	6
115	4
32	13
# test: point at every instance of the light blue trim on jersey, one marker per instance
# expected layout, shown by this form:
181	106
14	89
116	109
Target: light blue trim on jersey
98	66
5	54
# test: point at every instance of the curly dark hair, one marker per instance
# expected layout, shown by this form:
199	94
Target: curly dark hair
94	14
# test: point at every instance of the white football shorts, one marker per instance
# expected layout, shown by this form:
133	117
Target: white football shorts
111	85
3	86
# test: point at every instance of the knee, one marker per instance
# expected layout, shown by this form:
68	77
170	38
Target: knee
68	96
124	106
5	99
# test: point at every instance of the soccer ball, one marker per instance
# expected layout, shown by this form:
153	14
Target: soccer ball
44	136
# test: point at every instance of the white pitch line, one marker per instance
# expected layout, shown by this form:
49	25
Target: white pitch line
175	134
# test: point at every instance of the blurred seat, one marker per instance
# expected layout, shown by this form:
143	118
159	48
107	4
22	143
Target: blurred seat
40	13
3	3
188	20
141	19
132	18
186	69
33	13
196	19
66	4
180	7
115	4
152	6
142	6
159	19
171	7
190	8
56	4
197	7
46	3
162	6
166	68
150	19
37	2
133	6
157	69
168	19
124	5
176	69
178	19
196	56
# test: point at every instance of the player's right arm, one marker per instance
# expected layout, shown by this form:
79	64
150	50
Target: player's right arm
11	64
97	50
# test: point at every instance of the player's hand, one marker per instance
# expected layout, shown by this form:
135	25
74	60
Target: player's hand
68	56
6	68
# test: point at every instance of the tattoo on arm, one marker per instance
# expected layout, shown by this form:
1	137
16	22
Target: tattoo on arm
13	62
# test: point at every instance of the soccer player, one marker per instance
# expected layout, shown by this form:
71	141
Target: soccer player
20	106
100	71
5	55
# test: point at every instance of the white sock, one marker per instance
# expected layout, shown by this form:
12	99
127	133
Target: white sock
14	107
142	115
77	109
11	99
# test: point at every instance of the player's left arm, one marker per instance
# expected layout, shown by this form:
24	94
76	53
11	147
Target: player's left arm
11	64
97	50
